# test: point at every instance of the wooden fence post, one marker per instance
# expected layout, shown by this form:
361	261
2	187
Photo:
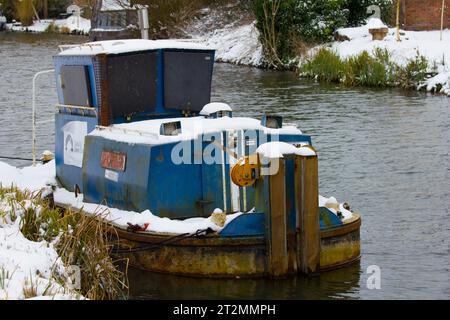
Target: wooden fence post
307	207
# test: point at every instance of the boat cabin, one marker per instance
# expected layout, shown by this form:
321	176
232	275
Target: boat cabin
135	127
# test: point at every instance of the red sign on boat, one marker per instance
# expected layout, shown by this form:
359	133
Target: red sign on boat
114	160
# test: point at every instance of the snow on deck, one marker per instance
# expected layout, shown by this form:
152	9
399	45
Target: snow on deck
278	149
151	223
129	45
148	131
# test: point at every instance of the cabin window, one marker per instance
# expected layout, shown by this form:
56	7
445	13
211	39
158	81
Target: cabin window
75	85
187	79
132	81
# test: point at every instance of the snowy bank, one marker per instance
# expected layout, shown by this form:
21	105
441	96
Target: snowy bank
238	45
412	44
72	24
28	269
28	178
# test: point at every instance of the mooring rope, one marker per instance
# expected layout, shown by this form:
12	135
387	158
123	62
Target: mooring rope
173	239
15	158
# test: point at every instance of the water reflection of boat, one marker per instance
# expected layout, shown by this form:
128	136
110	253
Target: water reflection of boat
145	136
337	284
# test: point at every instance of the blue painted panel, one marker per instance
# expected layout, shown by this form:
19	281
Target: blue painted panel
174	189
68	175
295	138
328	219
250	224
129	192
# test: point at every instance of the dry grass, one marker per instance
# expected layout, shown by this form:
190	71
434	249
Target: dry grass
64	30
82	240
88	246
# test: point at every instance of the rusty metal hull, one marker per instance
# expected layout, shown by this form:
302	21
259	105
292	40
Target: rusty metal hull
216	257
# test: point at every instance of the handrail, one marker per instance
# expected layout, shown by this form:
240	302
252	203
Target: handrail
82	108
33	114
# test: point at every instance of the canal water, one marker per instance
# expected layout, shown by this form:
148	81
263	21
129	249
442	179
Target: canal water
386	152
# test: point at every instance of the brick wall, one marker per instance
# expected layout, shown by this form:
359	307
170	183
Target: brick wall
424	14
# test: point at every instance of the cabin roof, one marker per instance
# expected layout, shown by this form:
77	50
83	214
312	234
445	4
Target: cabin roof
125	46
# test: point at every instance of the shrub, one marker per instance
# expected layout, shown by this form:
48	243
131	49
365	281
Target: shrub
369	70
414	72
274	20
283	23
325	66
316	20
53	28
357	10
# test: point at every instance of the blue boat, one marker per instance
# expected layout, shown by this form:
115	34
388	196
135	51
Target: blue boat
135	128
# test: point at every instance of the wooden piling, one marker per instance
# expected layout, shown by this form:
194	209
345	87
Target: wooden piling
277	244
307	212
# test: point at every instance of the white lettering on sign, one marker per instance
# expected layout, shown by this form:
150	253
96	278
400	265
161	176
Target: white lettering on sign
111	175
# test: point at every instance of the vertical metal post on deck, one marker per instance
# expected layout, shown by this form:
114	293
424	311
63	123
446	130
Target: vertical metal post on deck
307	207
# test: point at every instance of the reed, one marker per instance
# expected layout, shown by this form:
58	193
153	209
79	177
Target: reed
79	240
366	70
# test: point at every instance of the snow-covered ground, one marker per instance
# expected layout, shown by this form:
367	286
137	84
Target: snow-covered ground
425	43
231	31
28	269
71	24
235	44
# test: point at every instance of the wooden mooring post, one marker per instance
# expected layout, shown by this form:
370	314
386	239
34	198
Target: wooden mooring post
307	213
278	225
270	198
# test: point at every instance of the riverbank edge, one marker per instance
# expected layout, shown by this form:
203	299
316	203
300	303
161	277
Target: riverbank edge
31	226
374	69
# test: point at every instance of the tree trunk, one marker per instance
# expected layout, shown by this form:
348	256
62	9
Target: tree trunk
45	8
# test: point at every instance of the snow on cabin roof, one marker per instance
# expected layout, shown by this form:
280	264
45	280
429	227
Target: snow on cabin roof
148	131
124	46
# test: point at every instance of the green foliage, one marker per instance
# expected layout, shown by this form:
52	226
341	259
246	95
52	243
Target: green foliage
368	70
415	71
357	10
316	20
52	28
282	23
275	21
326	66
285	23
